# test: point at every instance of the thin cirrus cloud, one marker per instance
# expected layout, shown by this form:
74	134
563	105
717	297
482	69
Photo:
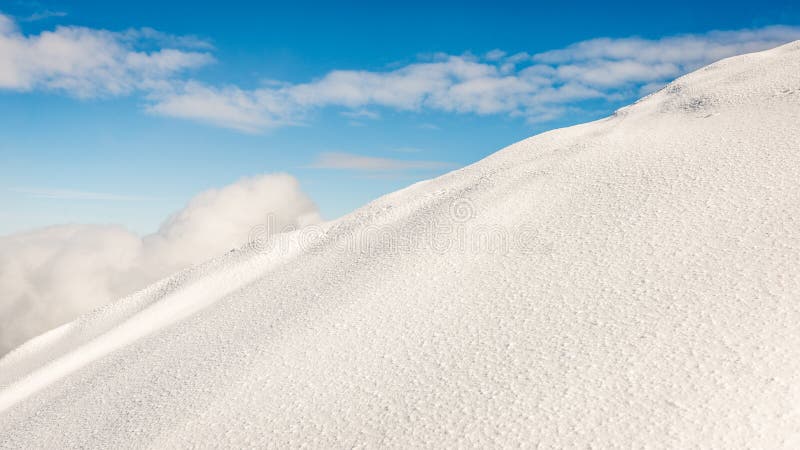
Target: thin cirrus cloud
43	15
362	114
84	62
350	161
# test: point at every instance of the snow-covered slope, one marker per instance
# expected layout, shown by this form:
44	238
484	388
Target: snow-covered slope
633	281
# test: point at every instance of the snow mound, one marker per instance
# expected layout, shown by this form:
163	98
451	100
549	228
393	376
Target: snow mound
628	282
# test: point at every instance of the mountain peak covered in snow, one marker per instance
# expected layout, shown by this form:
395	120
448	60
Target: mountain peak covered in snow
628	281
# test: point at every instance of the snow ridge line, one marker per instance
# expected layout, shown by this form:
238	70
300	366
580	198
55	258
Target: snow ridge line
174	308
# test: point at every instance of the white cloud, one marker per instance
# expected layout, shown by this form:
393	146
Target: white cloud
350	161
84	62
539	87
7	25
162	39
611	63
51	275
406	88
494	55
429	126
87	62
682	49
362	114
42	15
228	107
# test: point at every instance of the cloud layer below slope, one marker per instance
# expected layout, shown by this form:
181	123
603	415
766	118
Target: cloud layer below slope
50	276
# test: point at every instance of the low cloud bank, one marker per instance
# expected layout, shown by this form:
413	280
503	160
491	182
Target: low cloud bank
51	275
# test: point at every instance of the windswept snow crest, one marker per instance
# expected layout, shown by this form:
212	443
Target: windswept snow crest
627	282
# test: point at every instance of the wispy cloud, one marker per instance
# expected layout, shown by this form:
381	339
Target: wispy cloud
538	88
147	34
42	15
362	114
430	126
85	62
229	107
68	194
350	161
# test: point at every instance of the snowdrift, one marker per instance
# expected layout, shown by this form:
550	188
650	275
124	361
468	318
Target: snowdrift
628	282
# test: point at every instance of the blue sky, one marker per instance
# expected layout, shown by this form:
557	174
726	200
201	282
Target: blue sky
119	112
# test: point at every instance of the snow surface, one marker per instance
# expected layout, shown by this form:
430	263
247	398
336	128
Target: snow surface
642	290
